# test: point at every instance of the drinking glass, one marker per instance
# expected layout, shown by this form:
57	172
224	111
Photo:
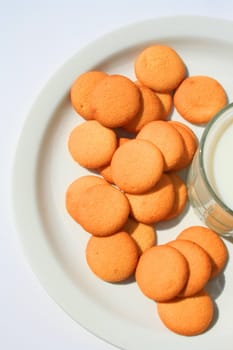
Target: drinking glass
210	177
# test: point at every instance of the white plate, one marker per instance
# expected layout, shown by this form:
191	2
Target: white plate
43	169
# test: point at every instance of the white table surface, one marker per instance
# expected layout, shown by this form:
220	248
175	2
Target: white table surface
36	37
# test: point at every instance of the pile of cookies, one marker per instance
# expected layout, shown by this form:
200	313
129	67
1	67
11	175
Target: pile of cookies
138	184
175	275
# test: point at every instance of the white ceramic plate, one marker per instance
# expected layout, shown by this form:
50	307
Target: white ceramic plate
43	169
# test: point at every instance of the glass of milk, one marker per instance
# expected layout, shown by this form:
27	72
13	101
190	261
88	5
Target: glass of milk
210	178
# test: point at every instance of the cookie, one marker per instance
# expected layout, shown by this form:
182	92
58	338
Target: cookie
122	140
76	189
154	205
165	99
115	101
92	145
143	235
161	273
160	68
106	172
187	316
211	243
199	264
102	210
137	166
167	103
151	109
199	98
81	91
190	144
181	195
186	127
113	258
159	132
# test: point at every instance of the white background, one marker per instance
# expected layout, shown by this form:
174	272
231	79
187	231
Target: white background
36	37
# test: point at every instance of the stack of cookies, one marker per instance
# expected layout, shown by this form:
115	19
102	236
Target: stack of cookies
175	275
138	185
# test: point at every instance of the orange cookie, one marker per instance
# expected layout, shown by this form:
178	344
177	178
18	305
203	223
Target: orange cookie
211	243
167	139
154	205
165	99
92	145
122	140
180	196
76	189
137	166
187	316
112	258
190	145
81	91
115	101
151	109
160	68
144	235
199	264
186	127
167	103
199	98
106	172
161	273
102	210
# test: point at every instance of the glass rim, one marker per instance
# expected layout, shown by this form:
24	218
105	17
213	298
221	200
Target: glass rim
201	156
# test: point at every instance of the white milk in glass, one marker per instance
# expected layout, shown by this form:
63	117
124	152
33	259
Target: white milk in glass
210	178
219	165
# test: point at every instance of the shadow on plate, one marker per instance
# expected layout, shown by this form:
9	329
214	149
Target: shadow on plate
216	286
229	239
216	315
164	225
129	280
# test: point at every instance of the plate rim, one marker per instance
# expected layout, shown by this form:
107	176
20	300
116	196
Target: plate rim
24	170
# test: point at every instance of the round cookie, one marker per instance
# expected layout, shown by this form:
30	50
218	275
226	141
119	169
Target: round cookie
211	243
199	98
199	264
187	316
181	195
165	98
154	205
160	68
106	172
115	101
190	144
151	109
137	166
167	103
143	235
122	140
92	145
76	189
81	91
156	276
186	127
102	210
112	258
159	132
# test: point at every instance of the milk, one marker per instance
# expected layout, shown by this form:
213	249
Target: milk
218	159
